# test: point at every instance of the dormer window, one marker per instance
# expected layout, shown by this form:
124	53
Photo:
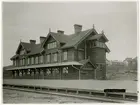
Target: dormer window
51	45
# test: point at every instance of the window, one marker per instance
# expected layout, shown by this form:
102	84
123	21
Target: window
48	57
32	73
23	61
20	73
37	71
20	62
36	60
14	62
41	72
28	72
51	45
15	73
41	59
24	72
65	55
32	60
48	71
28	60
65	70
55	57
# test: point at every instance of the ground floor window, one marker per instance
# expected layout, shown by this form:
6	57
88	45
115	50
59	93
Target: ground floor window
20	73
41	72
28	72
65	69
48	72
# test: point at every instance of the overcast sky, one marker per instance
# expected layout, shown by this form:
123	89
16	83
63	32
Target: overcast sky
27	21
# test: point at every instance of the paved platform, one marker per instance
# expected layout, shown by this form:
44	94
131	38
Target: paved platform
130	86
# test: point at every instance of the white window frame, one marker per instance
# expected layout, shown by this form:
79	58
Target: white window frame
51	45
65	55
48	56
55	57
28	61
41	59
65	70
36	60
32	60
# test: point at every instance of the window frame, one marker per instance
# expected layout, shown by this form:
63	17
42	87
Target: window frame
32	60
51	45
65	56
55	57
48	57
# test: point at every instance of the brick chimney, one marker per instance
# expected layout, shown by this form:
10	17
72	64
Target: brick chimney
32	41
42	38
60	32
77	28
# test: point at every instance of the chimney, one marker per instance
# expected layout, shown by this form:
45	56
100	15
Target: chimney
60	32
32	41
42	39
77	28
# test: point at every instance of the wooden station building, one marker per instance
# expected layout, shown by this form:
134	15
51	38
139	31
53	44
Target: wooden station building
81	55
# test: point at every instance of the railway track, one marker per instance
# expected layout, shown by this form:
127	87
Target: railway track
98	96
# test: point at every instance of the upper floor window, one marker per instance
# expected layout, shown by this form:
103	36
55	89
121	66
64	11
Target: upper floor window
36	60
28	60
23	61
51	45
20	62
65	55
48	58
14	62
55	57
41	59
32	60
22	51
97	44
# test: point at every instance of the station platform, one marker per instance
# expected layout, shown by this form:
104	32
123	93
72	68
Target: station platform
99	85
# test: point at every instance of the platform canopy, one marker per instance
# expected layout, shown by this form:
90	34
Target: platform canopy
46	65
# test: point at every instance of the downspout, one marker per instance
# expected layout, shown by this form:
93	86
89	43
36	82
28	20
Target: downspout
79	71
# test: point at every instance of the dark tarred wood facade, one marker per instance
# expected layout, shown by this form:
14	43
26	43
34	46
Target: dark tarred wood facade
79	52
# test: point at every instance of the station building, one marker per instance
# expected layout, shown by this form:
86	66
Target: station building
81	55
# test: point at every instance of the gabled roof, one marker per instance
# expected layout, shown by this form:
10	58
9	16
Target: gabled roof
36	49
77	38
62	38
85	61
98	36
26	46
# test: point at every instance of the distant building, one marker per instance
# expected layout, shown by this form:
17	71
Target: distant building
131	63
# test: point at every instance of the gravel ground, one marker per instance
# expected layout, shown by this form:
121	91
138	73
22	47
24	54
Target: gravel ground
13	96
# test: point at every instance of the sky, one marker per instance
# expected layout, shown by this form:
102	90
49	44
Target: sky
30	20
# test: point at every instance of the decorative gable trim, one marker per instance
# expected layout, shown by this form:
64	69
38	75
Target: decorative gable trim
20	44
49	34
